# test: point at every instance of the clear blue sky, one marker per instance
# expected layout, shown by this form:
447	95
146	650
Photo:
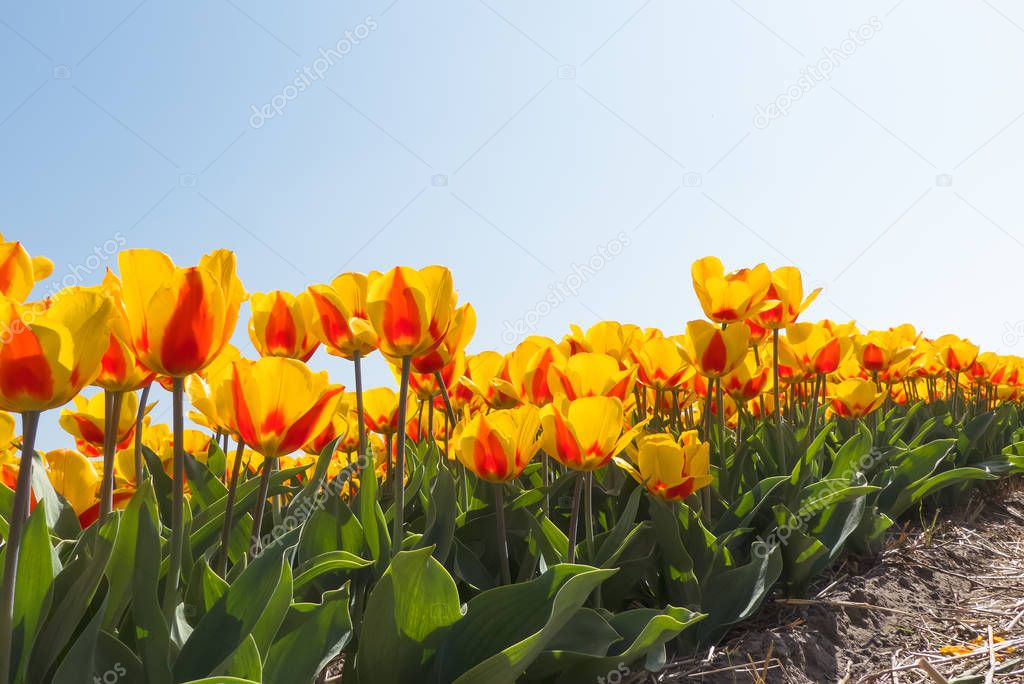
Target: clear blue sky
522	141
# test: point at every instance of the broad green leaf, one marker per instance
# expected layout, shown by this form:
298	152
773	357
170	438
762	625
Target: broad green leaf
310	637
408	613
506	628
324	563
33	583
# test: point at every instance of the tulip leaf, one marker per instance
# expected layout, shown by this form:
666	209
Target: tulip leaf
506	628
72	593
121	566
929	485
231	619
371	517
112	658
640	633
749	503
205	587
244	663
332	561
276	608
152	635
310	496
853	456
310	636
736	594
680	578
60	517
407	615
612	545
32	593
204	487
439	530
81	656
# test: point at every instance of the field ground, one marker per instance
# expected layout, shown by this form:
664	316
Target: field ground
941	582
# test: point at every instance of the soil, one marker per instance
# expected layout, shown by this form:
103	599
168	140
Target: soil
943	585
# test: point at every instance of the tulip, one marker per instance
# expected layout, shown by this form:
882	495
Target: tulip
277	405
341	323
589	374
440	361
74	477
411	312
278	326
180	319
47	355
87	423
487	376
732	297
714	351
605	337
670	470
745	382
856	398
19	272
879	349
528	367
785	299
496	447
583	434
381	411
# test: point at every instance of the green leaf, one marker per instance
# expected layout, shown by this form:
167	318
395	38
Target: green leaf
736	594
325	563
439	530
232	618
121	565
310	637
33	583
309	495
81	657
408	613
505	629
152	635
277	607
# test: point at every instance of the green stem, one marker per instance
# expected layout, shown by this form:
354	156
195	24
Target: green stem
229	508
19	514
775	375
111	423
138	434
574	518
588	503
499	512
261	504
398	478
177	502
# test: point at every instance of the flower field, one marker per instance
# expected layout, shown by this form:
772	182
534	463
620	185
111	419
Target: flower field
574	510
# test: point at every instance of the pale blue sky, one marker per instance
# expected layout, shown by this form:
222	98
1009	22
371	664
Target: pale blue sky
515	140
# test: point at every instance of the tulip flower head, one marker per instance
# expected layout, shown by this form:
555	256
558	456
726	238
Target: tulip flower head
339	316
590	374
712	350
669	469
729	297
497	446
380	410
277	404
410	310
584	434
180	318
48	355
87	421
120	369
279	327
856	398
19	272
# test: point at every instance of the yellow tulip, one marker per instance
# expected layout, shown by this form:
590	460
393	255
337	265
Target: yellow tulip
279	327
19	272
74	477
670	469
855	398
278	404
380	410
956	353
410	310
584	434
784	299
487	376
661	364
880	349
180	318
87	422
813	348
120	368
339	316
498	445
528	367
712	350
48	355
729	297
589	374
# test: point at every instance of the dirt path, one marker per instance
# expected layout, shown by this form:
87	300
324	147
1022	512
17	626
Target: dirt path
936	586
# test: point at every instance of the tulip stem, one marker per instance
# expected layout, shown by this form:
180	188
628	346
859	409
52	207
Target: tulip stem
399	474
775	375
138	434
19	514
574	518
588	503
357	360
111	424
445	397
225	535
499	514
261	504
177	502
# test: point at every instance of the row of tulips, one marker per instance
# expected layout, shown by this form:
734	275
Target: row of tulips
703	468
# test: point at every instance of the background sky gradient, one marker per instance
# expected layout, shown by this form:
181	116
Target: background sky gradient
567	160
